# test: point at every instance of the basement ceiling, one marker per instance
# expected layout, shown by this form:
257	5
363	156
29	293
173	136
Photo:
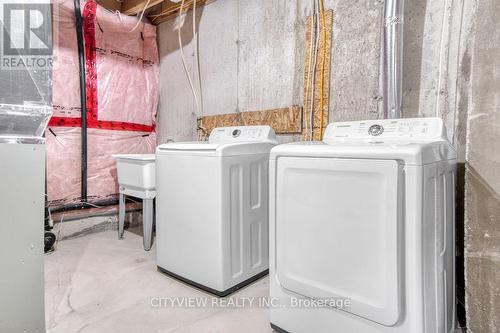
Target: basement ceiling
158	11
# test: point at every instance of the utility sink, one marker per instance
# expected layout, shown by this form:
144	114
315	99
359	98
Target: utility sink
136	173
136	177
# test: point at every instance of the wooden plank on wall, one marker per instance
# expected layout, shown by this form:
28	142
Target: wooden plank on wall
283	120
323	68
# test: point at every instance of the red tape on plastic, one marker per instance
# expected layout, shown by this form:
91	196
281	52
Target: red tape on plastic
89	15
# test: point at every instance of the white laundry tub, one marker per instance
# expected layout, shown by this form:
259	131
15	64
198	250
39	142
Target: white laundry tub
136	173
136	177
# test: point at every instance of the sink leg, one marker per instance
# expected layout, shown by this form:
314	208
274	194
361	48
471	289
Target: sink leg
121	216
147	222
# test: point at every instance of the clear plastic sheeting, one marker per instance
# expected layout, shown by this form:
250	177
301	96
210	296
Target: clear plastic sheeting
19	122
127	69
25	70
122	74
66	71
122	77
26	58
64	156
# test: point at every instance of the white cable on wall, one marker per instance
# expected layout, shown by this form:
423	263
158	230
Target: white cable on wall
313	90
309	67
198	71
140	18
197	58
181	49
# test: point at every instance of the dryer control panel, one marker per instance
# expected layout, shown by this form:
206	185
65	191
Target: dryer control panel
242	134
387	130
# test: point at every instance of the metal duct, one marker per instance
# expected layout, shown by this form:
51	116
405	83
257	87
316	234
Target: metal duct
393	58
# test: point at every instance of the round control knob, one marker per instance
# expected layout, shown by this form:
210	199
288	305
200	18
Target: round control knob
376	130
236	133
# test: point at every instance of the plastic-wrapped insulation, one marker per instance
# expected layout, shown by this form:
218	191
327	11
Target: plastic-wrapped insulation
121	88
83	97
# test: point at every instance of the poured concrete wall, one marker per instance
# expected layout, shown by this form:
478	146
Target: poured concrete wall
252	58
252	55
482	196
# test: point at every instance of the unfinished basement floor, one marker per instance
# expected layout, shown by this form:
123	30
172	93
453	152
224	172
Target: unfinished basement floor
97	283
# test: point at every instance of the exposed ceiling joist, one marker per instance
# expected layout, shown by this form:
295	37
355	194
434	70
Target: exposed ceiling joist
163	11
112	5
134	7
170	9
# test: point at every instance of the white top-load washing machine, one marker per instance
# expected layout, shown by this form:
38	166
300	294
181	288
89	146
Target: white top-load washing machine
212	208
362	230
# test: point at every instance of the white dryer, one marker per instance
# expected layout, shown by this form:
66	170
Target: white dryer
212	208
362	230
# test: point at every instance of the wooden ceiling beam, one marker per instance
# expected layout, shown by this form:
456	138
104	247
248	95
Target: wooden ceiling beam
112	5
134	7
171	9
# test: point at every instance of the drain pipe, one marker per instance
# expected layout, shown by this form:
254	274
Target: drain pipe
393	58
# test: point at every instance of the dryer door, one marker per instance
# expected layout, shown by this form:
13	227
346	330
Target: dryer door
338	232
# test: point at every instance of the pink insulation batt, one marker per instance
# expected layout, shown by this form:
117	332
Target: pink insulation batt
127	90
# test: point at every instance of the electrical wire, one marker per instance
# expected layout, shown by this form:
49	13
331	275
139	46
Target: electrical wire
170	10
92	205
142	15
119	14
195	45
322	85
181	49
307	101
198	71
313	90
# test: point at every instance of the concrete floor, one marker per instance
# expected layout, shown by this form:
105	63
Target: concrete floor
97	283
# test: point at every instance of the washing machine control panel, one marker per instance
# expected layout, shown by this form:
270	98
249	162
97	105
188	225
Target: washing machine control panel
242	134
387	129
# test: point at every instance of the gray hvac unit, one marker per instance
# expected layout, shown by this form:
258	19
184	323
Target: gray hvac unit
22	199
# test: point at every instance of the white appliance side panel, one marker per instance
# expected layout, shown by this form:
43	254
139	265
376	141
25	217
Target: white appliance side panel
189	219
245	234
259	202
337	232
236	222
438	246
449	262
22	200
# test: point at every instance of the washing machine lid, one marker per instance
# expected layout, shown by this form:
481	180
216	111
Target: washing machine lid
226	141
416	141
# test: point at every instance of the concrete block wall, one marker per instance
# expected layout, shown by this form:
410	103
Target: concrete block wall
252	55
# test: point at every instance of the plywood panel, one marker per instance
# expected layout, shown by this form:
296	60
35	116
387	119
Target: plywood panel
283	121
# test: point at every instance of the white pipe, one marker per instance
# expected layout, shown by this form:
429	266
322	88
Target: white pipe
393	58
